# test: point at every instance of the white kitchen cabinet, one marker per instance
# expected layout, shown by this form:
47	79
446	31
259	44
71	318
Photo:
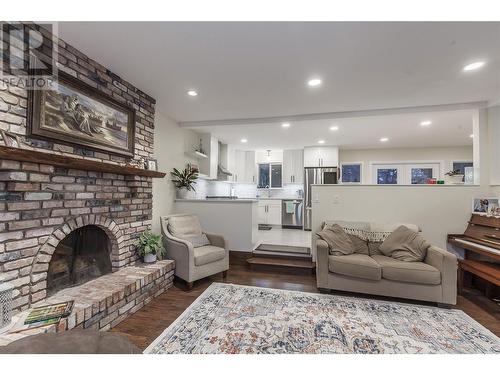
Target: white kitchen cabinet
293	166
270	212
274	213
326	156
208	166
250	167
239	167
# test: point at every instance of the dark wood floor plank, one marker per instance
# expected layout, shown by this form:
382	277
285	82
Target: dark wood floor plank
150	321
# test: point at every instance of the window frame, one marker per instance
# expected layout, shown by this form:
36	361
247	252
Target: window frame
404	170
269	165
360	163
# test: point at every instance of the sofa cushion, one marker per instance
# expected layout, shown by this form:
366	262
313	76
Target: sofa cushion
208	254
409	272
406	245
338	241
355	265
184	225
360	246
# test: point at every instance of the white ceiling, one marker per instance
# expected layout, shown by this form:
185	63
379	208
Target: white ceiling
254	69
403	130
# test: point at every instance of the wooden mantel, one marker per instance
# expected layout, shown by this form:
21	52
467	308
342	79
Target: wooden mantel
33	156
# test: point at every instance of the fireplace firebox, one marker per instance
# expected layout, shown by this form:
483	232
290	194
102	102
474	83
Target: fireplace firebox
81	256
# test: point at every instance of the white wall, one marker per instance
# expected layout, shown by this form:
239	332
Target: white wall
437	210
494	143
445	155
172	146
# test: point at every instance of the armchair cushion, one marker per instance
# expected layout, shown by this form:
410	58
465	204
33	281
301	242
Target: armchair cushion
184	225
197	240
208	254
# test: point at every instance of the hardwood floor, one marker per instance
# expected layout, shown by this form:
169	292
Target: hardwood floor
150	321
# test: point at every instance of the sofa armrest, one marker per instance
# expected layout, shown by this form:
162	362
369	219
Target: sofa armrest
446	263
322	253
216	240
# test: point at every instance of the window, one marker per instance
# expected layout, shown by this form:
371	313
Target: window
263	176
405	173
461	165
387	176
270	176
351	173
420	175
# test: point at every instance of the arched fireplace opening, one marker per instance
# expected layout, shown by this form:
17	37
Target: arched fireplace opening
81	256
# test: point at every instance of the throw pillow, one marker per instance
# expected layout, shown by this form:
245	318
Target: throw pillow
338	241
360	246
405	244
374	248
196	240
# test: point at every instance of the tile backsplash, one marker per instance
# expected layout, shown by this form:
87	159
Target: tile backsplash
205	187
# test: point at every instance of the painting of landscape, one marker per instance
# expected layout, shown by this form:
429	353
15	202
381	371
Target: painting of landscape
70	114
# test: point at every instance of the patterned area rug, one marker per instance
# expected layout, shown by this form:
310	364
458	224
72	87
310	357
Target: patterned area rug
240	319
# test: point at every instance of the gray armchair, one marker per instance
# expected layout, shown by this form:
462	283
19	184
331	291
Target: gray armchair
194	259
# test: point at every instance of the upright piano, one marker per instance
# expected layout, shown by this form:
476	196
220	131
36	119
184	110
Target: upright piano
481	245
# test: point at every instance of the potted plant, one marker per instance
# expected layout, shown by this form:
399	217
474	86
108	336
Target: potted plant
455	177
149	247
185	180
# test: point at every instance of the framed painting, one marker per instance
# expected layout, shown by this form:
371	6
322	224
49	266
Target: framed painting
76	113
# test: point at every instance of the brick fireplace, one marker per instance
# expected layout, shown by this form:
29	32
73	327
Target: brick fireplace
41	203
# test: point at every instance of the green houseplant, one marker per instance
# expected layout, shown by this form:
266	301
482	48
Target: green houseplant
149	247
185	180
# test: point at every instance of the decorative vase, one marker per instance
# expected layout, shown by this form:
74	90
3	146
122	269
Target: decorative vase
455	179
149	258
183	194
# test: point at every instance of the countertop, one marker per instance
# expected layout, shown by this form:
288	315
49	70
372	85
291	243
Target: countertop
239	200
215	200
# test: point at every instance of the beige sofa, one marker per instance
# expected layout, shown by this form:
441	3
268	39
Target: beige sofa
193	263
434	279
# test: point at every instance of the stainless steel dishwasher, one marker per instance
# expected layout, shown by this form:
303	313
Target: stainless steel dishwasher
291	213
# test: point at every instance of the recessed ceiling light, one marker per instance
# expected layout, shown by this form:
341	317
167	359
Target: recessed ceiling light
472	135
244	140
285	124
321	141
192	93
334	128
314	82
473	66
384	139
425	123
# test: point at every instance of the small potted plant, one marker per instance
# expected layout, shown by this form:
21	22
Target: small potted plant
455	177
149	247
185	180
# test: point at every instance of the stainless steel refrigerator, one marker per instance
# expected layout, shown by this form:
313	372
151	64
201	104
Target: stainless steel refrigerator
315	176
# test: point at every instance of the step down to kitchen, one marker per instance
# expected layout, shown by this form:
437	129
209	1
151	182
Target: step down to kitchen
288	251
281	261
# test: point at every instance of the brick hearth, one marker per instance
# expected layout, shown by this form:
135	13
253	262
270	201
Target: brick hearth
104	302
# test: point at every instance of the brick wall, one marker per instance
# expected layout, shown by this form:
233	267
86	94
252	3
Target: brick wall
40	203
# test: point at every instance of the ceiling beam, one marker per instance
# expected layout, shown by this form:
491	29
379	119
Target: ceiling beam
336	115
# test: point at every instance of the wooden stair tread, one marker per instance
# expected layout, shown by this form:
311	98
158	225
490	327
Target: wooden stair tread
282	262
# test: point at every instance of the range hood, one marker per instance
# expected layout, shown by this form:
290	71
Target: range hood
222	171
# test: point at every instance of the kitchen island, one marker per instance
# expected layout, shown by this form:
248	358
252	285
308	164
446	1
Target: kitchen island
235	219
